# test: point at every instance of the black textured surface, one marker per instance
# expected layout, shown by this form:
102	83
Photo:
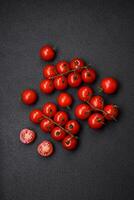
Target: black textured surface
102	168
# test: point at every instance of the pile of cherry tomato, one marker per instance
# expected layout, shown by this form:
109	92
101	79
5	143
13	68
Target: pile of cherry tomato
56	122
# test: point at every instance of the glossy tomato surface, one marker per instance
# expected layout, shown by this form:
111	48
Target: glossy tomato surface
29	96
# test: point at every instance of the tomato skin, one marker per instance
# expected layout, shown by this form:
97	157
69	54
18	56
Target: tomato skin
88	75
49	71
49	109
47	53
97	102
85	93
96	121
27	136
77	63
64	99
58	134
45	148
72	126
109	85
29	96
69	142
62	67
60	83
47	86
74	79
111	111
61	118
82	111
46	125
35	116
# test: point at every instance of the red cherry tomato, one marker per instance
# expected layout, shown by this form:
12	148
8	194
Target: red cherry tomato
74	79
47	86
72	126
69	143
60	82
49	71
61	118
64	99
88	75
82	111
47	53
85	93
45	148
97	102
77	63
58	134
36	116
27	136
96	121
46	125
111	112
109	85
62	67
29	96
49	109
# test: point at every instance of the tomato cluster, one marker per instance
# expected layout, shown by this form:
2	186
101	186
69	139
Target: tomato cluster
56	122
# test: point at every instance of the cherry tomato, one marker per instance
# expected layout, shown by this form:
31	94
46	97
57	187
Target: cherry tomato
111	112
72	126
29	96
46	125
69	142
27	136
47	86
61	118
49	71
97	102
82	111
77	63
88	75
96	121
74	79
49	109
85	93
109	85
62	67
60	82
45	148
64	99
47	53
58	134
36	116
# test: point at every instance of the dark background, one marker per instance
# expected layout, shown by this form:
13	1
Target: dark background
102	33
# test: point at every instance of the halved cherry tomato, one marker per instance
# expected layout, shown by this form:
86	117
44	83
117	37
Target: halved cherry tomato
45	148
27	136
